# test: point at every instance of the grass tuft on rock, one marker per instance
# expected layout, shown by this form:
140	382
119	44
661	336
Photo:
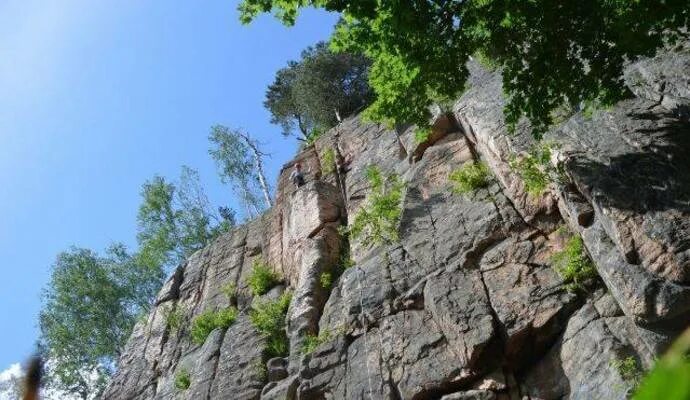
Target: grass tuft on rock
183	379
470	177
534	169
205	323
311	342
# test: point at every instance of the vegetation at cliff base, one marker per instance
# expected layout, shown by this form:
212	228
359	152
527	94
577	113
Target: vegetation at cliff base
377	221
419	49
573	264
262	278
204	323
268	317
470	177
318	91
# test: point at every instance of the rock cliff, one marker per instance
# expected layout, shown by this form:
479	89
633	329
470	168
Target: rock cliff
467	304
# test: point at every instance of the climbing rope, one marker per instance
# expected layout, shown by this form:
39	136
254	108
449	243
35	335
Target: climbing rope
362	317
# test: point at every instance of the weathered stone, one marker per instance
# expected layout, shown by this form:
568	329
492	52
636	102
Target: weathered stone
277	369
471	395
579	366
466	305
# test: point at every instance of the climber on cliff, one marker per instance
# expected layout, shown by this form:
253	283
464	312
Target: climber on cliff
297	177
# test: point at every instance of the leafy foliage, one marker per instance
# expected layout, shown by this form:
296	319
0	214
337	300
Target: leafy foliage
204	323
573	264
262	278
230	291
377	222
175	220
94	297
240	164
311	342
183	379
419	49
535	169
268	317
173	317
326	280
328	161
470	177
629	370
317	91
670	377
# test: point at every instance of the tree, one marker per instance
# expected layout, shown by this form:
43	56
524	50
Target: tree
551	53
240	162
319	90
175	220
89	308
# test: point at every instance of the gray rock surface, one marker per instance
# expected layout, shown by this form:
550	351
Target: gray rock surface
466	305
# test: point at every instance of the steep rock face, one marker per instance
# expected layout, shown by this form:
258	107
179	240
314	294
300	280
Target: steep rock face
466	305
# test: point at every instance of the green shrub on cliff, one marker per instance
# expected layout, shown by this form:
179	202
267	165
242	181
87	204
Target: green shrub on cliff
205	323
311	342
535	169
470	177
183	379
377	221
268	317
629	370
173	317
573	264
262	278
328	161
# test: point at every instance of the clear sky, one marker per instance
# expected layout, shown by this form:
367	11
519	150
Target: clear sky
98	96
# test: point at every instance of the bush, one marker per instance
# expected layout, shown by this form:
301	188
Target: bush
573	264
628	370
206	322
182	379
326	280
230	291
173	318
311	342
470	177
421	135
268	317
328	161
377	222
262	278
534	169
315	133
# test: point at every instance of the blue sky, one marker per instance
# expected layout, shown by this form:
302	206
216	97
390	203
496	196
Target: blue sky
98	96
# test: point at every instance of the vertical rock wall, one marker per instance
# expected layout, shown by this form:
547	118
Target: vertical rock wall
467	304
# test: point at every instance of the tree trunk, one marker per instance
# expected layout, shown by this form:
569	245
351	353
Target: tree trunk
302	129
259	168
337	116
